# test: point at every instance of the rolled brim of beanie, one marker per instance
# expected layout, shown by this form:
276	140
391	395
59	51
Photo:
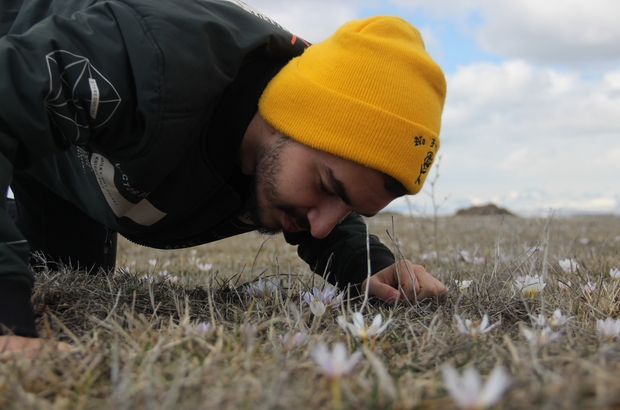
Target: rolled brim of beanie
349	128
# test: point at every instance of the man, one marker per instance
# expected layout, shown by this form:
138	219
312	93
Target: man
180	123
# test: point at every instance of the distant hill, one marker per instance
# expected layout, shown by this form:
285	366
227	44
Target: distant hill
490	209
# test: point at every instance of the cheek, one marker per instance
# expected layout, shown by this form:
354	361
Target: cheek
296	182
294	189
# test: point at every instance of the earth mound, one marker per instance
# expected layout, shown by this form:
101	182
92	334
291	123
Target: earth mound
484	210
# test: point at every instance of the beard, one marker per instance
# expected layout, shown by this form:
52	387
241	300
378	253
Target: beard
268	167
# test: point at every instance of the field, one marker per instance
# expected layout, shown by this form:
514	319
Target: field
139	344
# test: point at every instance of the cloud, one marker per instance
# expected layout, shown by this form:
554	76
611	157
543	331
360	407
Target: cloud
564	31
313	20
572	32
514	128
529	101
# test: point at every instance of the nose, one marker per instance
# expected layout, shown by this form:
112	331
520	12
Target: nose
325	217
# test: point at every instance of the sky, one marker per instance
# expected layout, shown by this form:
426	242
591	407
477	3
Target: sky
532	115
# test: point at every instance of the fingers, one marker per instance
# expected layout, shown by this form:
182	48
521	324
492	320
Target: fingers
381	290
404	281
429	286
405	278
65	347
18	343
417	284
11	346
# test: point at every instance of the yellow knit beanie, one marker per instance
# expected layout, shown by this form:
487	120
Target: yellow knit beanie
370	94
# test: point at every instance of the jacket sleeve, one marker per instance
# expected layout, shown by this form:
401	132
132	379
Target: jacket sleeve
16	280
53	96
342	255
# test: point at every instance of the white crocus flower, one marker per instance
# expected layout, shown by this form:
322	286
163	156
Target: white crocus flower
614	273
555	320
428	256
463	284
203	328
330	295
204	267
558	319
292	340
149	278
531	285
336	363
469	327
359	329
540	337
317	307
263	288
465	257
539	320
608	329
321	300
565	286
569	265
162	275
588	288
468	390
169	278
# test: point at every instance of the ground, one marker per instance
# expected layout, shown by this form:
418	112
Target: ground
139	344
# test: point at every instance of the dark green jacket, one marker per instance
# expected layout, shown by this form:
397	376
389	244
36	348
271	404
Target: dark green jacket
117	106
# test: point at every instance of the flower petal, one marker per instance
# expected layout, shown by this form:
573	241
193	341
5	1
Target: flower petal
497	383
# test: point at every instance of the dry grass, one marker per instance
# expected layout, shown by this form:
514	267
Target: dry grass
139	349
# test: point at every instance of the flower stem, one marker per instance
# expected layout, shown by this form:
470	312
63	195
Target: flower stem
336	393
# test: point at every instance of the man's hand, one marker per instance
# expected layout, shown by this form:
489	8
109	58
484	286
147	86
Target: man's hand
11	346
404	280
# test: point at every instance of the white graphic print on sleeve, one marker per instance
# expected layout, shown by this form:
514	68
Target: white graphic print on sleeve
143	212
73	81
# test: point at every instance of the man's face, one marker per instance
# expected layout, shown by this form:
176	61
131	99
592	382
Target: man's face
297	188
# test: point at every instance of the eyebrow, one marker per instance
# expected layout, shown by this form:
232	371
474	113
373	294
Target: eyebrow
340	189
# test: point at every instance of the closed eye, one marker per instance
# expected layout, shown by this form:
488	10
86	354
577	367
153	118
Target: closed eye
323	188
337	186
